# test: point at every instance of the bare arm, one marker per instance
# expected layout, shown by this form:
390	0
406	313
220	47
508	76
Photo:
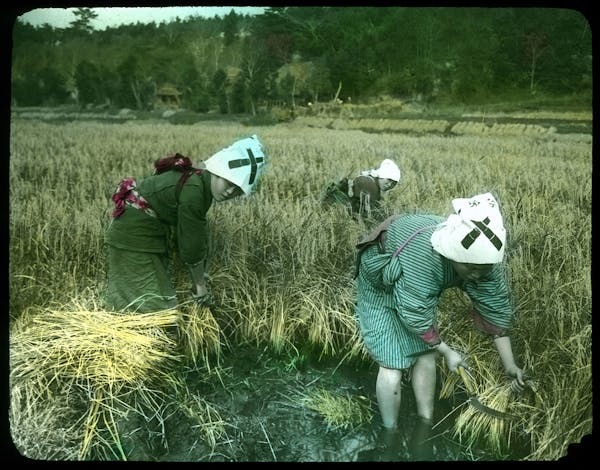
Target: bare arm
198	276
504	347
453	358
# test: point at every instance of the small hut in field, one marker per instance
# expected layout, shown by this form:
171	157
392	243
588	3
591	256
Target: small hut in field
168	97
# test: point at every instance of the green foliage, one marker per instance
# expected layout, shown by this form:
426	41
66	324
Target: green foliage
219	83
197	100
86	81
183	117
135	88
84	16
196	95
45	86
25	92
454	54
230	27
238	97
262	119
286	87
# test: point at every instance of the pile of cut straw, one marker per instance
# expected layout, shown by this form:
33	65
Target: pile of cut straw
104	348
112	361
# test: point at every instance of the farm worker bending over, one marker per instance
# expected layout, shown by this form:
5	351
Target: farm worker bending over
176	197
363	195
403	267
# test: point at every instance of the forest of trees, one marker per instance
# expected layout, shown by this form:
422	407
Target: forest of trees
295	55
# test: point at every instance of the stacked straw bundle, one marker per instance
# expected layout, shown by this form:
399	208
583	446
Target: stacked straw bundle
115	359
101	347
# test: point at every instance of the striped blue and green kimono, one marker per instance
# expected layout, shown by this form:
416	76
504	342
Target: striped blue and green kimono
398	293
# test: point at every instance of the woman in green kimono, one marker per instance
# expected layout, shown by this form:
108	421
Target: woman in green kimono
403	267
176	197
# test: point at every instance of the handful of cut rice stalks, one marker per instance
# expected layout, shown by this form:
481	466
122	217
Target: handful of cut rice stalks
199	333
492	412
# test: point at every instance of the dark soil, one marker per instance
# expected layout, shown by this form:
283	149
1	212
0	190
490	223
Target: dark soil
257	396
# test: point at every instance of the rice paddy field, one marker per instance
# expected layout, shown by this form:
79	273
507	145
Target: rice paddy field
281	338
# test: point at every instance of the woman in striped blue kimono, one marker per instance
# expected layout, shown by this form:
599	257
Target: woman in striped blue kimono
403	267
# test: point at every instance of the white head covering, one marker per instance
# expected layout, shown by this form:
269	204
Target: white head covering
387	169
241	163
474	234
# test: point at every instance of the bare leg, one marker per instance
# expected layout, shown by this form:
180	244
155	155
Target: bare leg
423	382
388	389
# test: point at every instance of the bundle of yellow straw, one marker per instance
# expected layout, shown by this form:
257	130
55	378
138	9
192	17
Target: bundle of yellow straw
112	357
99	346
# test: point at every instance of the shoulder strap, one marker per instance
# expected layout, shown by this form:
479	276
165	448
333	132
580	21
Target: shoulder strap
374	237
182	180
401	247
376	232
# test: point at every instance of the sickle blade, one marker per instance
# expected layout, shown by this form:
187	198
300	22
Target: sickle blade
474	401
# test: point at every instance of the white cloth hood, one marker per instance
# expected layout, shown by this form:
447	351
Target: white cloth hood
387	169
474	234
242	163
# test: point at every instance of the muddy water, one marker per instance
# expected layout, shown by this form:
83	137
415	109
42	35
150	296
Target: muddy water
257	396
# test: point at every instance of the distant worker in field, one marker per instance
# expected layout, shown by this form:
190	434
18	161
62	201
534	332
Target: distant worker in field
403	266
363	195
174	200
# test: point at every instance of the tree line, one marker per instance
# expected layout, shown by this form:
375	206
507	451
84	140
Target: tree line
296	55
